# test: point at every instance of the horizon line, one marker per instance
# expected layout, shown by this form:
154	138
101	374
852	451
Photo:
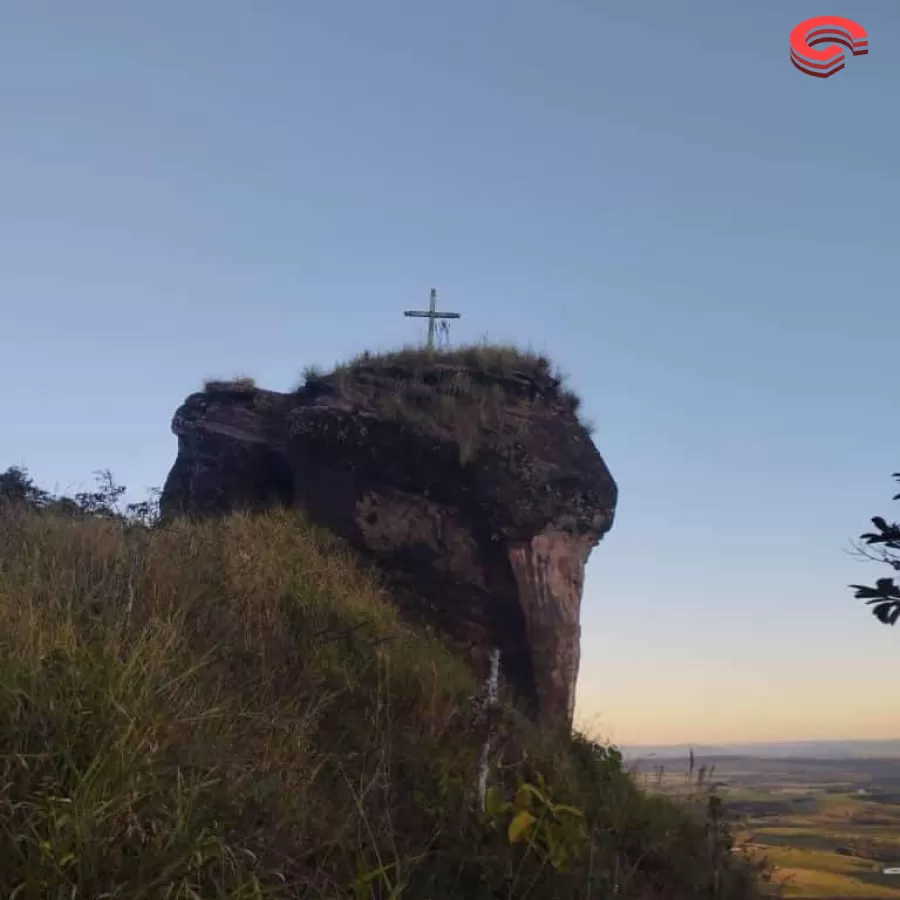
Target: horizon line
777	743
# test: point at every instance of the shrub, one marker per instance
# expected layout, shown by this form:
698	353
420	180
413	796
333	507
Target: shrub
240	384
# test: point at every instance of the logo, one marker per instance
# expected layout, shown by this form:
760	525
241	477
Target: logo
831	30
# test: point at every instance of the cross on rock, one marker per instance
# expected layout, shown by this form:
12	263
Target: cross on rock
432	315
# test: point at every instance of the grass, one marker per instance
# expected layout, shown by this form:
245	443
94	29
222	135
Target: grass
491	359
818	860
233	709
482	361
804	882
473	395
240	384
831	853
828	827
796	837
807	866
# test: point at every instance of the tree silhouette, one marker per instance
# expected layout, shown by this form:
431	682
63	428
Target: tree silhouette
884	596
17	486
104	502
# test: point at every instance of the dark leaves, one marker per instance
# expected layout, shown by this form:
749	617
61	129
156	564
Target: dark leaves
16	486
887	613
888	533
884	597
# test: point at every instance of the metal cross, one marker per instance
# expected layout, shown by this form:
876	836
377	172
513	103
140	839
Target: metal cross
432	315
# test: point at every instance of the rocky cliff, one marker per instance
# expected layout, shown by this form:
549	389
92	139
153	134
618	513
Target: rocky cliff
467	477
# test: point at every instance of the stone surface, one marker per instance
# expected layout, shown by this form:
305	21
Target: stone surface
475	489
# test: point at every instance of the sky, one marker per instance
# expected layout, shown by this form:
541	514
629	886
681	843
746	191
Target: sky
702	237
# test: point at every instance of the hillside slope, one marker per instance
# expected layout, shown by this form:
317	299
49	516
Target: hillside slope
233	709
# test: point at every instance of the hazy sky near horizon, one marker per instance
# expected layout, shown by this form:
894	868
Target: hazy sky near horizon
704	238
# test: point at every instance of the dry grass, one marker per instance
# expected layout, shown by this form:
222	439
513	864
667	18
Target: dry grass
458	395
240	383
490	359
808	883
233	709
454	395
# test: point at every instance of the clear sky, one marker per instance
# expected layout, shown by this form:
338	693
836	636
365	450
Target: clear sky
705	239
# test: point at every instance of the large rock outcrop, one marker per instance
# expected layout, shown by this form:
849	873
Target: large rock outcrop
467	477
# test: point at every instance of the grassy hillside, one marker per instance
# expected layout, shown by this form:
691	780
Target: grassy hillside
233	709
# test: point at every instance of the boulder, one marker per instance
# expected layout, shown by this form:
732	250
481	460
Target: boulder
467	478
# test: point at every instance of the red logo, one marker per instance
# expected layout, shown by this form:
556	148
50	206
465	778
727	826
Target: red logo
826	29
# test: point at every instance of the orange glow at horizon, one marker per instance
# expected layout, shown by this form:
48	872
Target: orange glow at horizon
716	701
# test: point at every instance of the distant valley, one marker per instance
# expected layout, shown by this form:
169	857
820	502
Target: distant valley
790	749
826	814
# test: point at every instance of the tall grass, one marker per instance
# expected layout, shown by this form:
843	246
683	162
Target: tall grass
240	384
475	395
234	709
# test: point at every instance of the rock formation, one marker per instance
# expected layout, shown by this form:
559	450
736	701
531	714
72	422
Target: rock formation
467	477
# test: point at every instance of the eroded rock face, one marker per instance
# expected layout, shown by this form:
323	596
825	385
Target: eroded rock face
479	494
549	573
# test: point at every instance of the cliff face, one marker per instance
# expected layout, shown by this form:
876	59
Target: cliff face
466	477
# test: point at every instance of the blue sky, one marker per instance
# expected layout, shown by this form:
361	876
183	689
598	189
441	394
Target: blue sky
704	238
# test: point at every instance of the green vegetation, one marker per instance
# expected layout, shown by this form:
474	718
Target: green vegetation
241	384
487	358
234	709
462	395
828	827
484	359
